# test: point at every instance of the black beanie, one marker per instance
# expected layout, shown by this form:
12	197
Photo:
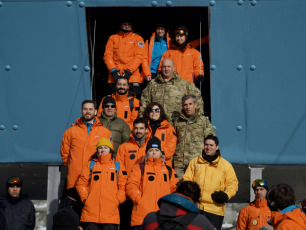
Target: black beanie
154	142
66	219
107	100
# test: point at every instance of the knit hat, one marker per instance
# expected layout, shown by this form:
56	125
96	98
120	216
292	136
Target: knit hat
154	142
104	141
108	99
66	219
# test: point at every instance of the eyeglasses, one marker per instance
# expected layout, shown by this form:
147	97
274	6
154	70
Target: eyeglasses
259	182
109	106
155	110
180	32
14	181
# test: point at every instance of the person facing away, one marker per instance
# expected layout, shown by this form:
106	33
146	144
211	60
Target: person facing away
285	214
180	208
257	214
191	128
167	89
18	210
162	129
216	178
149	181
101	187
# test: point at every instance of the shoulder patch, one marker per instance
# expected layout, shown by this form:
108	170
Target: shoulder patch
140	44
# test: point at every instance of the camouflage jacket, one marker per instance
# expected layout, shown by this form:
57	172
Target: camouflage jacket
190	138
169	94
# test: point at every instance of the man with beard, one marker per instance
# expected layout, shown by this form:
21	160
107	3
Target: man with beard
78	145
187	60
216	178
123	55
126	101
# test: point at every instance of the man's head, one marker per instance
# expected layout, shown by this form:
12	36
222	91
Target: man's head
126	26
109	106
211	145
260	188
167	68
89	110
181	35
14	186
160	30
190	189
140	126
280	196
189	103
122	85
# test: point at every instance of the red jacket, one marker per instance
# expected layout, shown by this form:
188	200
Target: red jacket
124	103
145	190
103	193
294	220
188	63
78	146
254	216
124	51
166	134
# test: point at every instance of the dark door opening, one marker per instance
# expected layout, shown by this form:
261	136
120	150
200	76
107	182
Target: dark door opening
102	22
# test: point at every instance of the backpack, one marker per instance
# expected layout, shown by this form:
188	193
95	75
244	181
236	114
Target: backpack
142	166
168	223
92	163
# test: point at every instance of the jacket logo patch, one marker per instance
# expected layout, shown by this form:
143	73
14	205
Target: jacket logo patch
151	178
96	177
255	222
132	156
140	44
132	151
97	136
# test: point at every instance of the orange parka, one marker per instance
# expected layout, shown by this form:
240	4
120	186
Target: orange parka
146	63
166	134
254	216
78	146
124	51
188	63
127	107
145	190
130	153
102	194
295	219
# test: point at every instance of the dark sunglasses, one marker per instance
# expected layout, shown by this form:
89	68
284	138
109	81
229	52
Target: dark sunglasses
155	110
109	106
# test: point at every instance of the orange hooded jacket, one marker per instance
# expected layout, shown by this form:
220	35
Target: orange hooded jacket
124	103
145	190
124	51
188	63
254	216
295	219
78	146
166	134
130	153
102	194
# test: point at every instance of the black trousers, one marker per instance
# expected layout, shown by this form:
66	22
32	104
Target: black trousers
215	220
96	226
125	210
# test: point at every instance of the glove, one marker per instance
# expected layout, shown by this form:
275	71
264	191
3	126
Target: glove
220	197
201	78
127	73
116	74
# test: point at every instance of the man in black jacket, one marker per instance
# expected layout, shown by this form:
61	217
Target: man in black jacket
18	210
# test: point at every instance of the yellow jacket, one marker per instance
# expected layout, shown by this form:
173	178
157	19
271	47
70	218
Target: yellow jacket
219	175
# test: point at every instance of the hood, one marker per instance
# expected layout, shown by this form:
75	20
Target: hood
80	122
296	216
160	79
184	117
176	205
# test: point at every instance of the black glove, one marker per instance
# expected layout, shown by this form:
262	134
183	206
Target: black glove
220	197
127	74
116	74
201	78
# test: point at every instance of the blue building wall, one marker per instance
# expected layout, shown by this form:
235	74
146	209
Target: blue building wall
258	79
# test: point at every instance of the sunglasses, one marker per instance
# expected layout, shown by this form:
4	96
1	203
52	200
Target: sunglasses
180	32
109	106
14	181
155	110
259	182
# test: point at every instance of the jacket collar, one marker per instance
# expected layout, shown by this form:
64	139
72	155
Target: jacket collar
160	78
213	163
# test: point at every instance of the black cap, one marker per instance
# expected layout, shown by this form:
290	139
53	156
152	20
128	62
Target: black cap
108	99
154	142
66	219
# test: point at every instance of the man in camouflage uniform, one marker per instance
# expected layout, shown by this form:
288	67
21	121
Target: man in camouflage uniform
191	129
167	89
